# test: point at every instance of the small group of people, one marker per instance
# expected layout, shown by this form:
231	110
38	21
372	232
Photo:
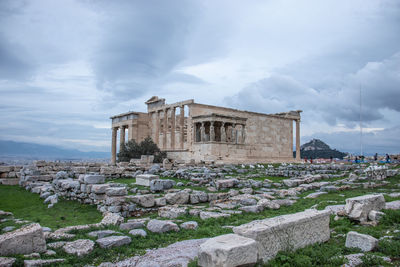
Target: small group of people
387	158
359	159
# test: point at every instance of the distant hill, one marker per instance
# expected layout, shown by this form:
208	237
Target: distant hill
36	151
318	149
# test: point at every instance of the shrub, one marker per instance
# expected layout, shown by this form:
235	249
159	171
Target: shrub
133	150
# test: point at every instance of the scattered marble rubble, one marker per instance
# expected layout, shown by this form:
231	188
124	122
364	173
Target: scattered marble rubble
225	192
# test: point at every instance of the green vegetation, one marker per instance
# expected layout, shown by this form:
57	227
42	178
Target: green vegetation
133	150
28	206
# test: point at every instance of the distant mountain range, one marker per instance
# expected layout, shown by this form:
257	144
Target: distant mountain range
318	149
36	151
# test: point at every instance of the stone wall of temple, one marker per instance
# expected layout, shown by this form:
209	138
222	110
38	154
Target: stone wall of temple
196	132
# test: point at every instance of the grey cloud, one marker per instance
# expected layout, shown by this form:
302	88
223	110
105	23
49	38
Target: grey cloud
379	82
142	42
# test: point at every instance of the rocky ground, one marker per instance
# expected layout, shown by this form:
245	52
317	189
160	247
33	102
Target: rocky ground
165	223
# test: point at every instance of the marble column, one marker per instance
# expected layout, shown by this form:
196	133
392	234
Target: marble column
114	145
173	110
165	128
234	134
182	127
157	127
130	132
223	133
122	138
202	132
212	132
243	134
298	139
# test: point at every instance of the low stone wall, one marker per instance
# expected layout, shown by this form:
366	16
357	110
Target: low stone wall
284	232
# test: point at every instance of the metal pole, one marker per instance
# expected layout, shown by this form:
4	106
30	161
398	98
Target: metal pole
361	146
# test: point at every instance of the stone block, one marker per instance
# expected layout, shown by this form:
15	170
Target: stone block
146	201
157	226
138	232
99	188
25	240
181	197
284	232
204	215
361	241
112	219
160	185
394	205
145	179
113	241
228	251
116	191
226	183
172	212
37	263
9	181
6	262
131	225
358	208
94	179
79	247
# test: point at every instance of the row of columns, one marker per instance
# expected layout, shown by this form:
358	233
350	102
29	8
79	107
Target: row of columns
121	139
170	120
235	134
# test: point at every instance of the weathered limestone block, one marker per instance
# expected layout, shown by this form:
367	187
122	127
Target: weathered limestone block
36	263
144	179
114	201
146	201
204	215
172	212
290	231
157	226
160	202
138	232
113	241
131	225
394	205
374	215
116	191
9	181
79	247
102	233
99	188
228	251
6	262
69	184
226	183
112	219
80	170
161	185
94	179
198	197
6	168
181	197
361	241
25	240
191	225
106	170
358	208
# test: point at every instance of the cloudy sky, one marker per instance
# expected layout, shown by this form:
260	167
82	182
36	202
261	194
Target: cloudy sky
66	66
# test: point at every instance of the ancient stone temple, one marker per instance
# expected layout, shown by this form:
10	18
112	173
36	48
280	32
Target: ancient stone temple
189	131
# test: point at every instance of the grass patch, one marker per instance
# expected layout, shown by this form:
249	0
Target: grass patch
29	206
